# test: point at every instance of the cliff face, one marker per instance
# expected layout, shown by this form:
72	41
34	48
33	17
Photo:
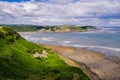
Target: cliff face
67	29
22	60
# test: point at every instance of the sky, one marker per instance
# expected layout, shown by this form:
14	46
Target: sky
60	12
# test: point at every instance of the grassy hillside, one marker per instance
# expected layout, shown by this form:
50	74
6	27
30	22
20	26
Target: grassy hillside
17	61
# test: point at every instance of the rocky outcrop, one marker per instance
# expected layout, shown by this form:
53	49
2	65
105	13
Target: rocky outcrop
43	54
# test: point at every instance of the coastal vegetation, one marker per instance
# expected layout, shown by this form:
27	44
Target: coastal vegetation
17	60
60	28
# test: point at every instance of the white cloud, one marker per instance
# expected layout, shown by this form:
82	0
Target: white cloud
58	1
114	22
82	12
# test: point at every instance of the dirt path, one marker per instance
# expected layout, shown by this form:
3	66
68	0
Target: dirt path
104	68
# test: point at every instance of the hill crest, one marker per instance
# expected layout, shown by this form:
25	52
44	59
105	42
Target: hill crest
8	35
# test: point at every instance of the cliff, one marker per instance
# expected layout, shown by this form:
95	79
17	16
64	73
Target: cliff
59	28
67	28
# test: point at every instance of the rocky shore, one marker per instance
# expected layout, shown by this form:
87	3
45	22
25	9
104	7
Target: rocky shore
94	64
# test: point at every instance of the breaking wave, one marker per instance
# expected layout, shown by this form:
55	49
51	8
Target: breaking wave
101	47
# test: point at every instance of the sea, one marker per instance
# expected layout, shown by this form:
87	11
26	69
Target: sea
106	40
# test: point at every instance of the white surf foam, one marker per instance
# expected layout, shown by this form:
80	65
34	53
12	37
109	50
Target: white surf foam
64	42
102	47
26	37
67	41
48	39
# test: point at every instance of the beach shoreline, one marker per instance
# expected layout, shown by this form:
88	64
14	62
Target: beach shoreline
95	64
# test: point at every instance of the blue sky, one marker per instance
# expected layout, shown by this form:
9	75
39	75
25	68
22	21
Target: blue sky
60	12
34	0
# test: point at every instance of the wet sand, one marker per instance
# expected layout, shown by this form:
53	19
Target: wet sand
93	63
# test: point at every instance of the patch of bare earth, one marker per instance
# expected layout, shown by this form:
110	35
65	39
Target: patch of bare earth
97	63
43	54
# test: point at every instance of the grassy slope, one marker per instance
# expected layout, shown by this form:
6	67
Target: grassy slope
17	62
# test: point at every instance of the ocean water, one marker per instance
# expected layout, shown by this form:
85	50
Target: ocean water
106	40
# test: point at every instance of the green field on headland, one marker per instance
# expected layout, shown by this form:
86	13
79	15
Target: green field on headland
60	28
23	60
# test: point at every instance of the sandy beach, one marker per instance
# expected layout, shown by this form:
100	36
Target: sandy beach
94	64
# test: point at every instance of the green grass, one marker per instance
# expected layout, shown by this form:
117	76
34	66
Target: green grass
78	28
28	28
17	62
